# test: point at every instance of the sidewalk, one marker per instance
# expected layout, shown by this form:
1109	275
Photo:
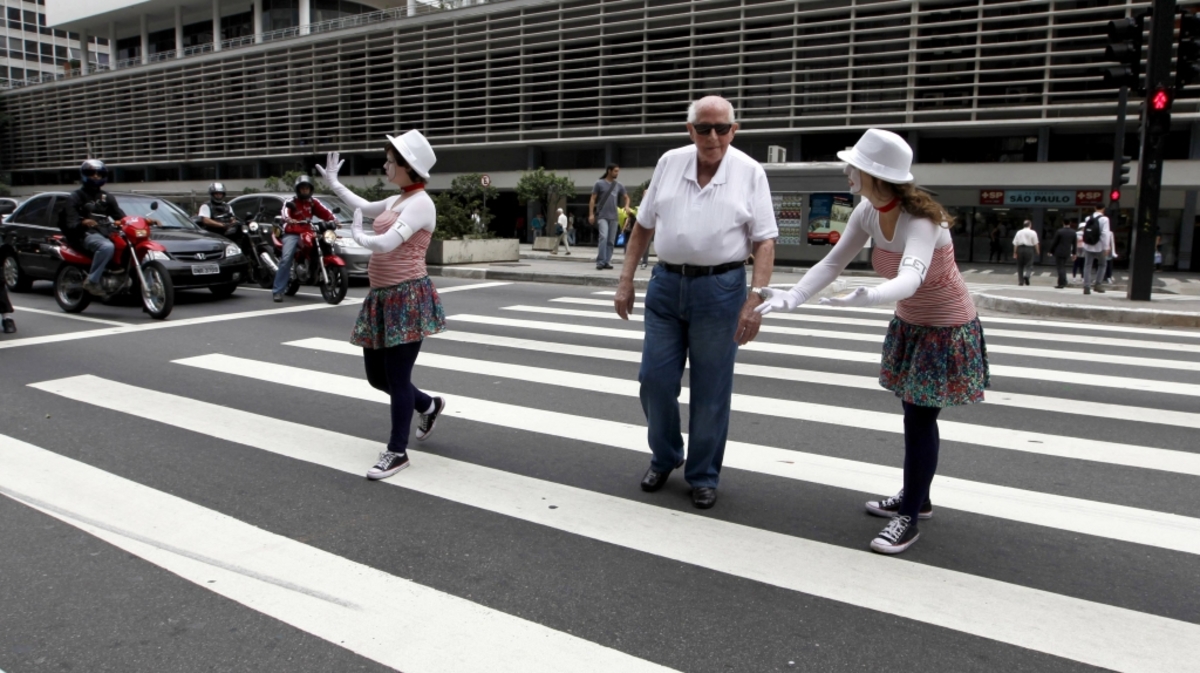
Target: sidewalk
1175	301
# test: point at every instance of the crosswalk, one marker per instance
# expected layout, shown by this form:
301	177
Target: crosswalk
1065	503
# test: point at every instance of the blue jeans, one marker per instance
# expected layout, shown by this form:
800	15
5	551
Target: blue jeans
102	251
608	238
690	319
284	274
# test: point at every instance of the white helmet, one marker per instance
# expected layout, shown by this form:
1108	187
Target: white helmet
881	154
415	150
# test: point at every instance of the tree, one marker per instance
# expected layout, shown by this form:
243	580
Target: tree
543	186
636	193
456	207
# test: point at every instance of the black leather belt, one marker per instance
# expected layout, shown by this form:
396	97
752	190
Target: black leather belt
690	271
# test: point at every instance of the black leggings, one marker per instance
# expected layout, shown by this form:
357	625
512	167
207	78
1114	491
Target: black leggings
920	456
390	370
5	305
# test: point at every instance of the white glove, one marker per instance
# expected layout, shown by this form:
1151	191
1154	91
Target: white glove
777	300
356	226
860	296
330	170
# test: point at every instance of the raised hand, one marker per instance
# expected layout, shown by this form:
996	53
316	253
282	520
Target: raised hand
333	164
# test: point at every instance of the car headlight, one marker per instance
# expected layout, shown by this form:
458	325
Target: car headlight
331	236
232	250
156	254
254	226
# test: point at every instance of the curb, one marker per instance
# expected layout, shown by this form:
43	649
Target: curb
1130	316
532	277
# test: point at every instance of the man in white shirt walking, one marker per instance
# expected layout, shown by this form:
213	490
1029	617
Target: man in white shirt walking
563	229
1025	244
708	207
1096	233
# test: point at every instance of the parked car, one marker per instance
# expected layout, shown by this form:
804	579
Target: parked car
263	208
197	258
7	206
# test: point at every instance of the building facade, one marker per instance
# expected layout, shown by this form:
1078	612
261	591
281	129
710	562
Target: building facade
994	95
31	51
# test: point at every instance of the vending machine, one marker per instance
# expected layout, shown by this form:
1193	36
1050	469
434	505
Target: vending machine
812	206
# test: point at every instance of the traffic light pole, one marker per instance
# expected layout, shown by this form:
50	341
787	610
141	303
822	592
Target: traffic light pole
1114	207
1156	124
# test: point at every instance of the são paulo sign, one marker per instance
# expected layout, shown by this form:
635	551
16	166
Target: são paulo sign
1030	197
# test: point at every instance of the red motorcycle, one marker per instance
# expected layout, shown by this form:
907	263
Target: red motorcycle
134	264
315	262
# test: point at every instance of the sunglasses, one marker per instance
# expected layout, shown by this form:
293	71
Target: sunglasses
721	129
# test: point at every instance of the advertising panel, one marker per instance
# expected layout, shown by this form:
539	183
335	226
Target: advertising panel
827	217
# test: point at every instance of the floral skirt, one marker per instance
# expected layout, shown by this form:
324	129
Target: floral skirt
935	366
399	314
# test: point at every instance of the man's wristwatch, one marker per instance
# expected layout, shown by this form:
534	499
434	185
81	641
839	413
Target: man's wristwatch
764	293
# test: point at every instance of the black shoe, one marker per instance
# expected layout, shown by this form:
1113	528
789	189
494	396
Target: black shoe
608	266
10	327
704	497
1099	289
428	421
389	464
898	535
599	267
890	507
1059	287
93	289
654	480
277	297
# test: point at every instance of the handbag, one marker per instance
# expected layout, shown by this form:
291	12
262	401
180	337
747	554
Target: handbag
620	239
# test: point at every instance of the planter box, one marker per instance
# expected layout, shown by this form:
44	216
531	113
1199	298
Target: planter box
472	251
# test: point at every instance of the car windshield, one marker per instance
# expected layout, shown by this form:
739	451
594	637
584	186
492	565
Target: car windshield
169	215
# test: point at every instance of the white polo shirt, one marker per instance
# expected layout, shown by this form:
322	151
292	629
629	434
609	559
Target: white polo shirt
710	226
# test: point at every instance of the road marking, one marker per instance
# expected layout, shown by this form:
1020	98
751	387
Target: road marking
475	286
1030	373
336	599
994	397
1061	446
1125	360
1093	633
70	316
989	332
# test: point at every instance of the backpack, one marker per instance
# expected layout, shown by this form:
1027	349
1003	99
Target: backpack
1091	231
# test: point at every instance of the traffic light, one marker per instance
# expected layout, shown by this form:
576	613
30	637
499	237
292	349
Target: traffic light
1187	64
1115	196
1158	114
1124	47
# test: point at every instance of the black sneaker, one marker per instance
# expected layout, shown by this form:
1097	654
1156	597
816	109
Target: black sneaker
389	464
10	326
429	421
277	297
897	536
890	507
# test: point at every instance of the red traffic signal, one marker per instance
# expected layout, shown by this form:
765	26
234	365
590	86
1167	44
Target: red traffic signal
1115	196
1161	100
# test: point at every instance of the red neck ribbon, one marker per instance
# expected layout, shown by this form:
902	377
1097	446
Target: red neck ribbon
413	187
890	206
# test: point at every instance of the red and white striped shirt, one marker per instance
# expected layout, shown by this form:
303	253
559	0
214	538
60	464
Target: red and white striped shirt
942	300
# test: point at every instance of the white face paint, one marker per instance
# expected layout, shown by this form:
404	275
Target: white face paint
855	179
390	169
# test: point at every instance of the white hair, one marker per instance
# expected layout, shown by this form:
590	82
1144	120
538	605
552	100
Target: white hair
709	101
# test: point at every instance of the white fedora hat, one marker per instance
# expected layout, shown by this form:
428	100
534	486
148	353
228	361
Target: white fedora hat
882	154
416	151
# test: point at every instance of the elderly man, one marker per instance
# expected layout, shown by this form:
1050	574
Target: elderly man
711	207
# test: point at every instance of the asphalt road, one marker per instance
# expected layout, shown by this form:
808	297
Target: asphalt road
188	496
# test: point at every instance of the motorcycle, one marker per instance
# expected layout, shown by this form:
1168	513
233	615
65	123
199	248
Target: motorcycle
315	262
135	262
254	240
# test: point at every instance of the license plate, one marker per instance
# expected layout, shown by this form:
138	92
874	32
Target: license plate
205	269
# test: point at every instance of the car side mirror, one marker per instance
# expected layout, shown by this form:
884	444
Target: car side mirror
154	205
337	209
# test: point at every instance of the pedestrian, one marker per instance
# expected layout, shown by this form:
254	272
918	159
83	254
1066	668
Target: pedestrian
402	307
539	226
994	247
6	310
1077	268
562	229
1062	246
1095	254
571	229
520	228
1111	246
1025	245
710	205
934	354
602	211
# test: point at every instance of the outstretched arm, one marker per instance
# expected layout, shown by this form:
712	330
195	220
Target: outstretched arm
329	172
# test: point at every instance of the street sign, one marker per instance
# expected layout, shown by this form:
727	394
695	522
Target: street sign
485	180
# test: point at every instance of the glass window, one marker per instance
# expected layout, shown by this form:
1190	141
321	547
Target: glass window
245	208
33	211
169	215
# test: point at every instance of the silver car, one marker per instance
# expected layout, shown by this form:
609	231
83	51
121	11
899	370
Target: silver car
265	206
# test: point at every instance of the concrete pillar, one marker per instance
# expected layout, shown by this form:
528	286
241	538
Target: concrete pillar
216	28
1187	225
258	24
914	141
178	31
145	40
412	7
305	16
794	152
85	60
610	154
533	161
1039	214
112	44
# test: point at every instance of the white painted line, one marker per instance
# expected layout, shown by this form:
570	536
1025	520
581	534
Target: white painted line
168	324
1093	633
989	332
333	598
1076	448
476	286
1029	373
70	316
1027	403
835	336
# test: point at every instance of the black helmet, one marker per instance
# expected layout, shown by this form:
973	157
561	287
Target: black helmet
301	181
93	173
217	188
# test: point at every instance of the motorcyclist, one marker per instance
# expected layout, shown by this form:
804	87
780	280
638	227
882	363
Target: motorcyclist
296	214
82	230
216	215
